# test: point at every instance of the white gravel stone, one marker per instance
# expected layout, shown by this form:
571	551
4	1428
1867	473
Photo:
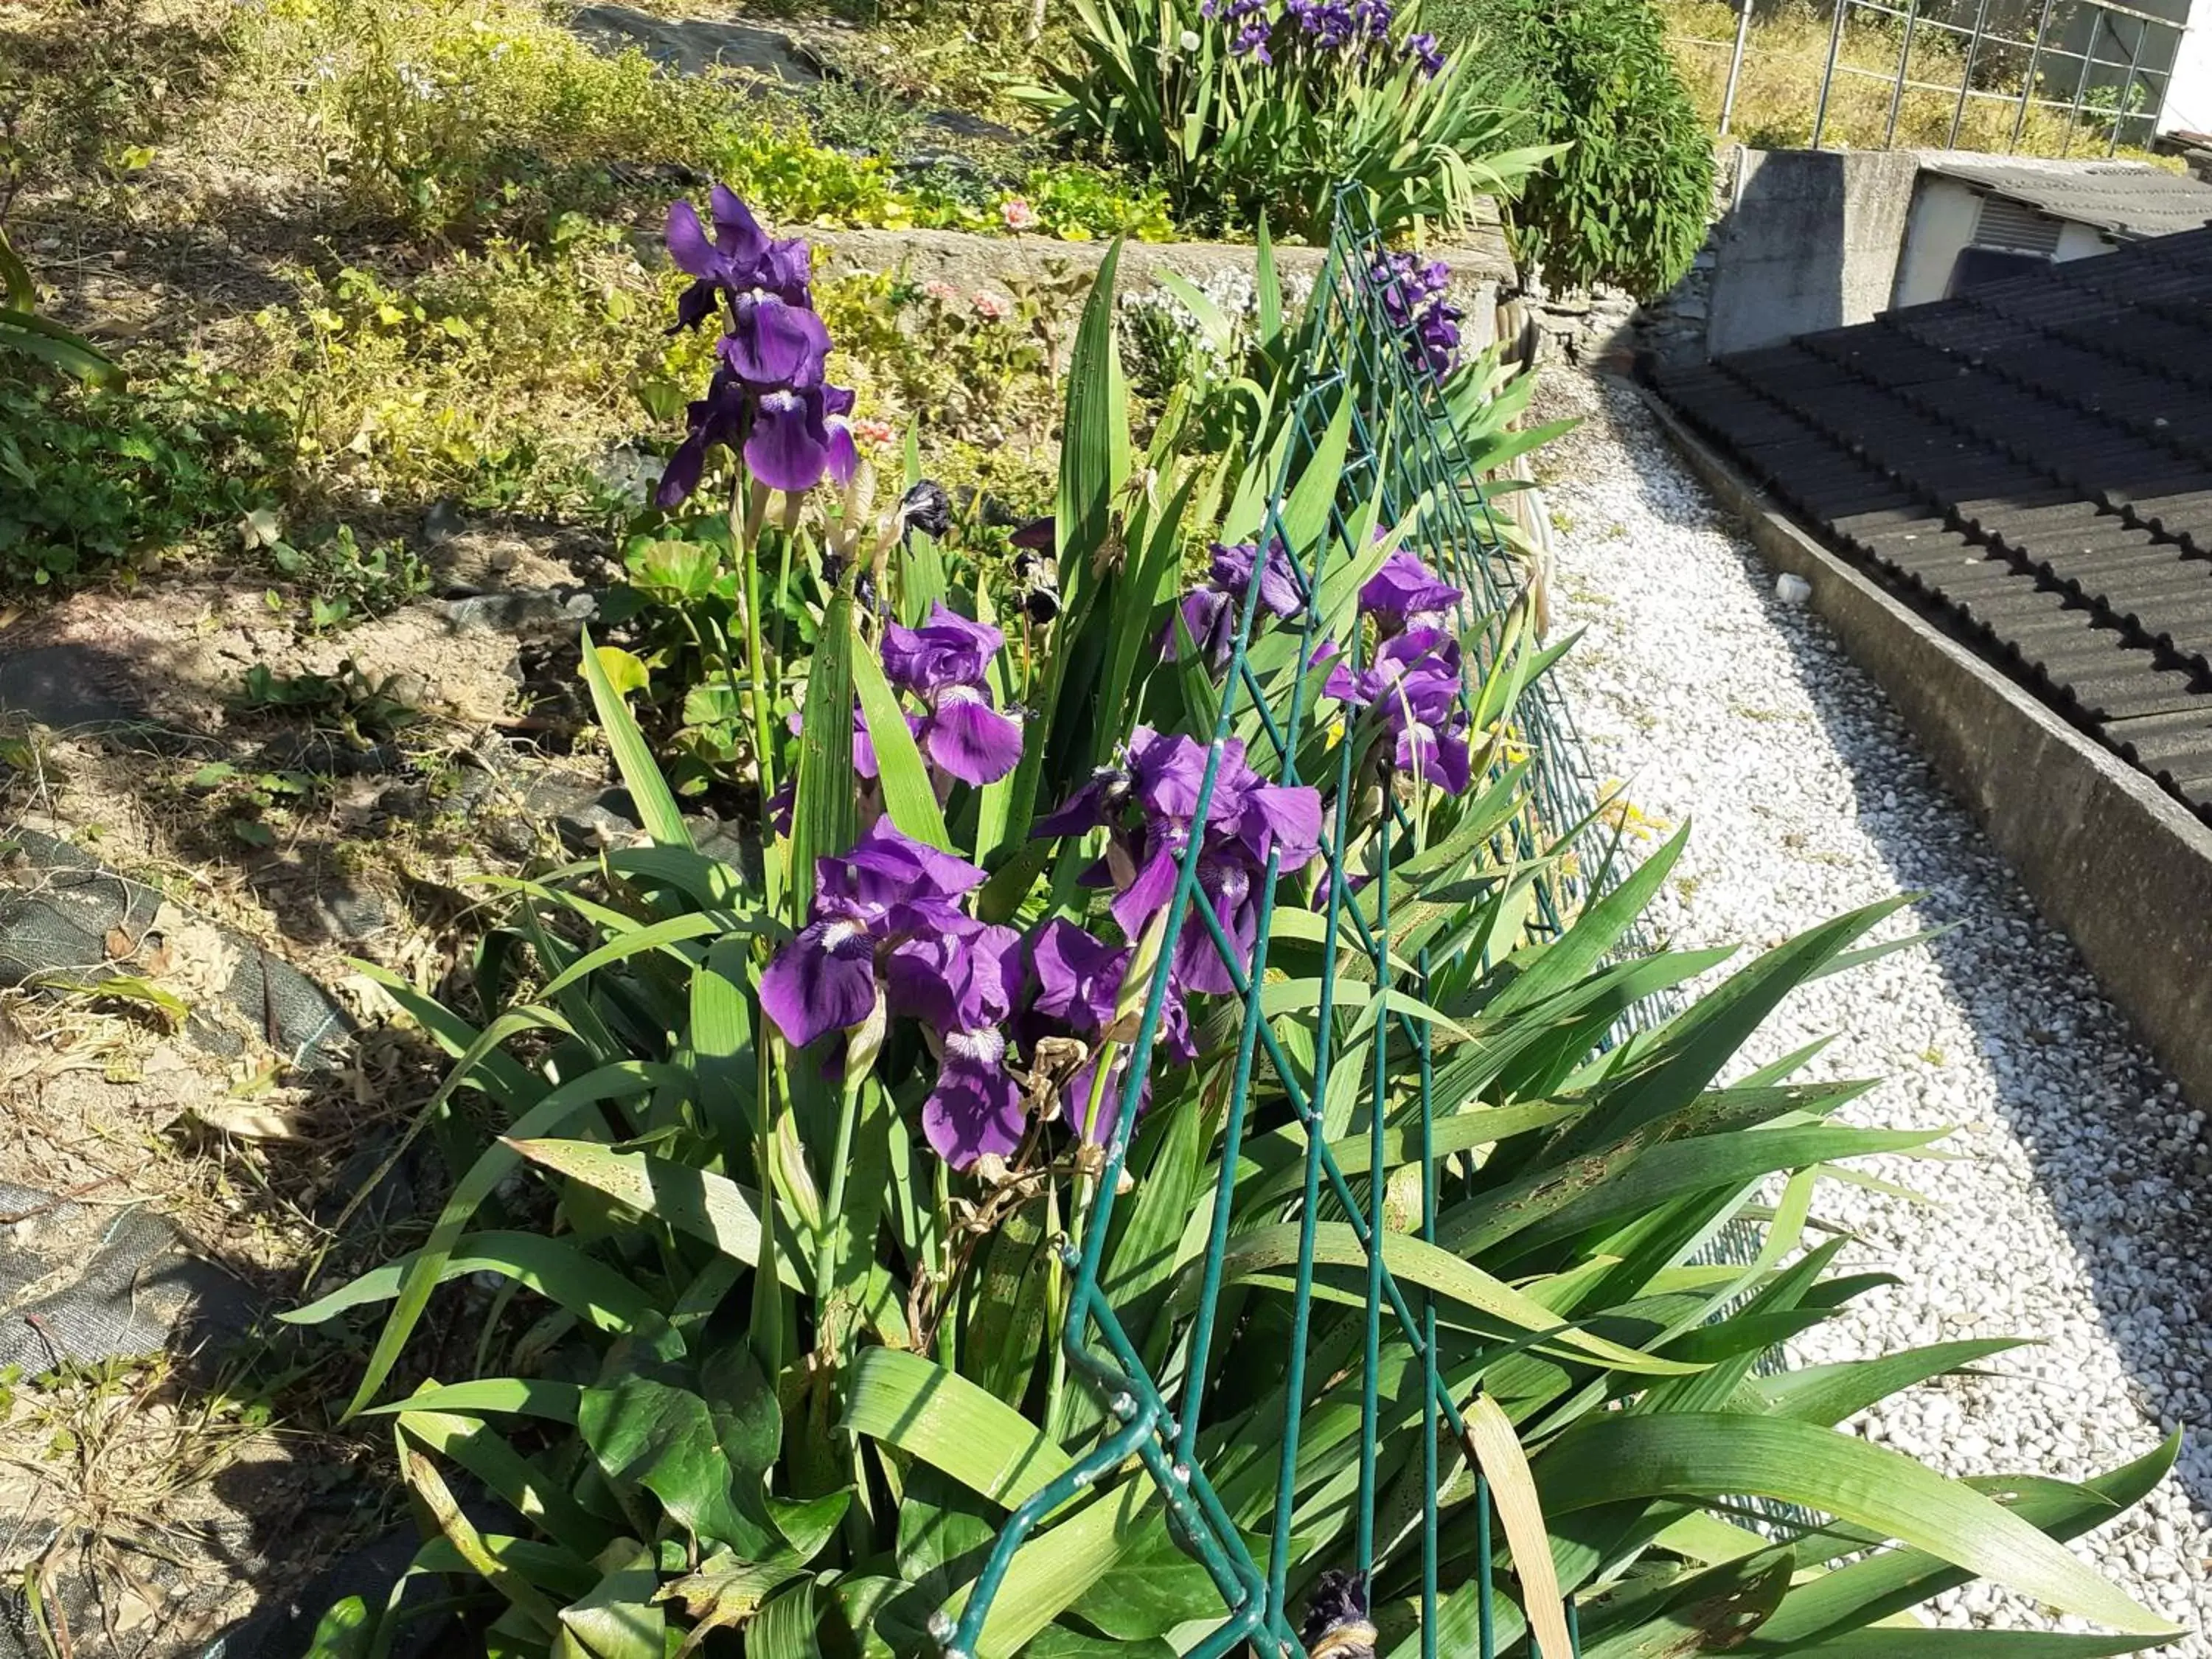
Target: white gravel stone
2067	1214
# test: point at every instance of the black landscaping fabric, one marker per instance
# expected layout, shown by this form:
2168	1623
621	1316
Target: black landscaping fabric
2032	462
58	909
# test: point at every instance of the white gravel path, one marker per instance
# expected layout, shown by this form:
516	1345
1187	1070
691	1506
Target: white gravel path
2077	1214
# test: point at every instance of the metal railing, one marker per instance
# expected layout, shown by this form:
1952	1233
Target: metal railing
2116	88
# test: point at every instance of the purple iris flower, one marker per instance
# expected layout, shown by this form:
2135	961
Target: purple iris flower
868	905
741	257
1247	819
1251	42
1078	985
1211	612
886	924
1405	593
768	398
1414	686
1426	54
1413	298
945	662
1374	17
790	438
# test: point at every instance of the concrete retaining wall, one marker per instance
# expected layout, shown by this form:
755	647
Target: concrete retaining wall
1812	242
2108	856
1479	260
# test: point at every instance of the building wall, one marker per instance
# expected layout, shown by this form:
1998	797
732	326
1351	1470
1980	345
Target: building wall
2189	93
2077	242
1944	212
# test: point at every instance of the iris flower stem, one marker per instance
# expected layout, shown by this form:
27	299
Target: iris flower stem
747	549
862	1044
1056	1300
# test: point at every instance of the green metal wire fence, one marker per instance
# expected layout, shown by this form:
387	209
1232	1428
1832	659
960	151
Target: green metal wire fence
1350	349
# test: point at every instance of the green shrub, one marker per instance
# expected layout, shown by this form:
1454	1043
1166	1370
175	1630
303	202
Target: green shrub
1628	201
94	482
1245	114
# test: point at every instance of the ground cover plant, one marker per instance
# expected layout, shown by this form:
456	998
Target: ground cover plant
770	1163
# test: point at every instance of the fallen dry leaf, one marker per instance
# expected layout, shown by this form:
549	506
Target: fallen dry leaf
246	1121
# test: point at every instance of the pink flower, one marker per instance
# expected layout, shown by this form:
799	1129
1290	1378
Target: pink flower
994	306
872	432
1019	214
941	291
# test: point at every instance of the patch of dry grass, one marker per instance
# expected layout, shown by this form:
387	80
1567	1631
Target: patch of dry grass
1779	90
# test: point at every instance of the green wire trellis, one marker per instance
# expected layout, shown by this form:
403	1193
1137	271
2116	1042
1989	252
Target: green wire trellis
1349	350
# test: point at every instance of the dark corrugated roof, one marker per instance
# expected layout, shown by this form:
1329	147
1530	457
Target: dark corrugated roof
2032	462
2130	198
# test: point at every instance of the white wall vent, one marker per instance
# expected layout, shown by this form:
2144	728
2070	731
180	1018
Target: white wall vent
2006	223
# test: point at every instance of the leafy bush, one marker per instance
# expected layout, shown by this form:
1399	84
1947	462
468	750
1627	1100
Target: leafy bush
770	1165
1242	112
1628	201
96	480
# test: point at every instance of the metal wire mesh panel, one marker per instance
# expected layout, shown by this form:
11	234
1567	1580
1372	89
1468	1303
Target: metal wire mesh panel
1403	451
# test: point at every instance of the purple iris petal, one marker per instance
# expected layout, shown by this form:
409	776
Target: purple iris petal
716	418
1284	819
773	346
1078	977
976	1109
687	241
1407	594
948	649
1438	755
824	980
695	304
1210	619
1148	891
959	978
785	269
1226	885
1168	770
887	866
788	448
682	474
969	739
738	237
1232	568
1095	802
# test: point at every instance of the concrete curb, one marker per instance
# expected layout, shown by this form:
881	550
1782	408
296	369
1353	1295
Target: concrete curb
2122	867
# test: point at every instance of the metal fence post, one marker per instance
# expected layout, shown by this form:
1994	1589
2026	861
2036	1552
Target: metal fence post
2120	111
1904	68
2082	82
1967	80
1735	65
2027	88
1828	75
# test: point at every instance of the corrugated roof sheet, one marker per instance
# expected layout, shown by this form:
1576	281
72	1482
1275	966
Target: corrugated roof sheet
2031	463
2129	198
